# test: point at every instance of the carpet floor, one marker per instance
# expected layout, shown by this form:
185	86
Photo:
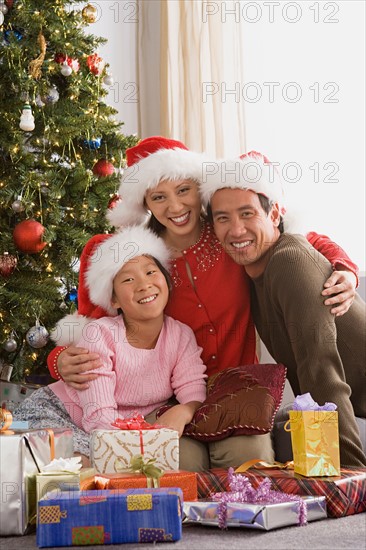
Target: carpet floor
328	534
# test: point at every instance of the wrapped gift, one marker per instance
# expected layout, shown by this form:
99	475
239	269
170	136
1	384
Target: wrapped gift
261	508
109	517
187	481
345	494
314	437
22	455
253	516
112	450
62	474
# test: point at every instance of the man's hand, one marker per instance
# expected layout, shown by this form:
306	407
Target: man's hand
178	416
73	363
341	286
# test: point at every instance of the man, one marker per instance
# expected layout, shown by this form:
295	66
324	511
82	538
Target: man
324	354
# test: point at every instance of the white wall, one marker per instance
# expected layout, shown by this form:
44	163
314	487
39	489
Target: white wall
117	21
326	61
322	52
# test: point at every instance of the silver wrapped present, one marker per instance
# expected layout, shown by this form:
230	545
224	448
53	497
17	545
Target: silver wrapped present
22	455
254	516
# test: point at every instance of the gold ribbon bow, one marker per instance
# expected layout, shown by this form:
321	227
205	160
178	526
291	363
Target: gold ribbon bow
147	467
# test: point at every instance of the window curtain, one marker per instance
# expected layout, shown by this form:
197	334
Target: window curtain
200	64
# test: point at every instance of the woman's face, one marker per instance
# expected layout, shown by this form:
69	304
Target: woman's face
176	204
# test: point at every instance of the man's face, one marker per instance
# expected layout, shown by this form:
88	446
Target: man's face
244	229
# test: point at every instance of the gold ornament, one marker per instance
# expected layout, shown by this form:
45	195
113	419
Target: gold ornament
34	67
89	13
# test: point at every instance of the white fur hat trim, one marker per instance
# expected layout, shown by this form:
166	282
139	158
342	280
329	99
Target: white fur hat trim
69	329
113	253
165	164
248	173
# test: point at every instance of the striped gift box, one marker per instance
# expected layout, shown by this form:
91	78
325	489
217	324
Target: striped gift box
345	494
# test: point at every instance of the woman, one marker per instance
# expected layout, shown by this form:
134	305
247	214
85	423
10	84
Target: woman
211	292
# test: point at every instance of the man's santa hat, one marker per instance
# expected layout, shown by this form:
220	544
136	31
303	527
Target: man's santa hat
251	171
152	160
101	260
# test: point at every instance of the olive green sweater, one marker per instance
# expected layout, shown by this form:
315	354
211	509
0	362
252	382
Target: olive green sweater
324	355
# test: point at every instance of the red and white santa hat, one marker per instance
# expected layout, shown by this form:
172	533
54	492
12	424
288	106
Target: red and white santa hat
252	171
101	260
152	160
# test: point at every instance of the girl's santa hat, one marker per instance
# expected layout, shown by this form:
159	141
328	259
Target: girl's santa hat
101	260
152	160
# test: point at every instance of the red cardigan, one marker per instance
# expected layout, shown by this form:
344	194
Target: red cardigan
216	307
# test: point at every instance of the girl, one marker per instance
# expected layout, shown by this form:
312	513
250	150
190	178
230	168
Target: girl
146	356
210	292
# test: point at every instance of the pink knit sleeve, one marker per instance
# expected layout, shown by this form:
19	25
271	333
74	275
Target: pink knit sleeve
188	376
98	401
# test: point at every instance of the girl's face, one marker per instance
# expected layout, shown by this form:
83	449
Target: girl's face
176	204
140	290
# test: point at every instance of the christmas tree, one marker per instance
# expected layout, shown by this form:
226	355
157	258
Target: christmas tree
61	155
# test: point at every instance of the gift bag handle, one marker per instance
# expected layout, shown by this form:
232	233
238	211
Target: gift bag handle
292	428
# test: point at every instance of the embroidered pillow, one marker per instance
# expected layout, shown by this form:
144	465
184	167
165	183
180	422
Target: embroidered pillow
240	401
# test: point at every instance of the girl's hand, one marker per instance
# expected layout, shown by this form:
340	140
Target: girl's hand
73	363
178	416
341	285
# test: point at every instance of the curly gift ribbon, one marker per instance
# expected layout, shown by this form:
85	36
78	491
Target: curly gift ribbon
241	490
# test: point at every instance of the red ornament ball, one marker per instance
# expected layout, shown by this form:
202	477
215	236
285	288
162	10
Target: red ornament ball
7	264
28	235
9	3
103	168
113	201
95	63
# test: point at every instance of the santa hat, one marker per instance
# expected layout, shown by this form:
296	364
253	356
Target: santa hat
103	256
113	254
152	160
252	171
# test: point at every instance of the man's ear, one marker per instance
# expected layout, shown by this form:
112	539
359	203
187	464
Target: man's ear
275	214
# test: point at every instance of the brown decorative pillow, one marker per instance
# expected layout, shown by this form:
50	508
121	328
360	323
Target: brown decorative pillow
240	401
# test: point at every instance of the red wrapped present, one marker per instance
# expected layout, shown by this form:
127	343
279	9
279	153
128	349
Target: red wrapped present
345	494
187	481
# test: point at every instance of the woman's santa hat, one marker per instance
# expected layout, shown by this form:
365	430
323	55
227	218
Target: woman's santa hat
102	259
251	171
152	160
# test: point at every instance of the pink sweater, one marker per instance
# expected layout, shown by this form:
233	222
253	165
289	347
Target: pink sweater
132	379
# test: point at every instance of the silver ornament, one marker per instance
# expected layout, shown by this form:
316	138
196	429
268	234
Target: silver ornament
18	205
39	101
10	345
108	80
52	95
37	336
3	9
1	18
45	190
66	70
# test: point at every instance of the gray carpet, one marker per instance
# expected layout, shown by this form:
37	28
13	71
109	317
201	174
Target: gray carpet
332	534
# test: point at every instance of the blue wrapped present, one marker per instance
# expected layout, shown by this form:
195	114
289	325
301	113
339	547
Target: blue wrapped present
78	518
